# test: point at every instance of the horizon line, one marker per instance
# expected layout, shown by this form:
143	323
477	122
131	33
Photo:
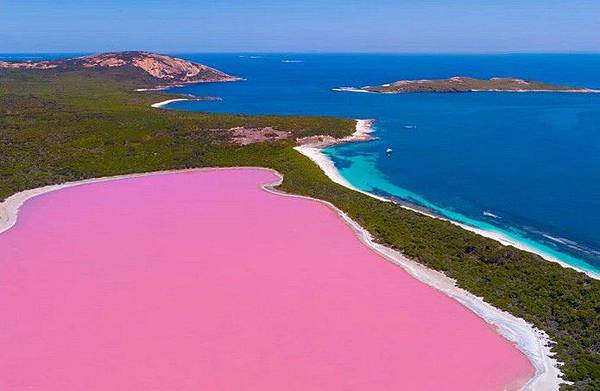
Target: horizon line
308	52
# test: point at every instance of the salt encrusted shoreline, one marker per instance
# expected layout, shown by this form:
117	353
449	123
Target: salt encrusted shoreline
534	343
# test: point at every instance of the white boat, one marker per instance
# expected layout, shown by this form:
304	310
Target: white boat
388	151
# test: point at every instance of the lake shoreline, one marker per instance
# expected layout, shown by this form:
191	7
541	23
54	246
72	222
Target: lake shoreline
532	342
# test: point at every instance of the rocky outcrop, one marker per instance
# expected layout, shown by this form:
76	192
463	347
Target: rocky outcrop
166	69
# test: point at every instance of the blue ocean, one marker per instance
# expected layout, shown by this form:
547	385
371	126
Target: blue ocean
524	165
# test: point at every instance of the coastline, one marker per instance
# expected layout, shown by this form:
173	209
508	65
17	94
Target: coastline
183	84
313	152
311	147
532	342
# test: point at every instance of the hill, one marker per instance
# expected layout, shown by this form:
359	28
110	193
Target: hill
148	68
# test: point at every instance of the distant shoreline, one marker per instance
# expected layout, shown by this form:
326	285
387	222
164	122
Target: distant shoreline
462	84
360	90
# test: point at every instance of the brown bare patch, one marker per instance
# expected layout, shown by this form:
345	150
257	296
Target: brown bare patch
245	136
318	141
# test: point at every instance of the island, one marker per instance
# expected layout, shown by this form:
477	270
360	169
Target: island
466	84
66	122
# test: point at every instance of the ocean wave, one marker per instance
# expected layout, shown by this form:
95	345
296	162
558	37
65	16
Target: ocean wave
572	244
490	214
560	240
350	89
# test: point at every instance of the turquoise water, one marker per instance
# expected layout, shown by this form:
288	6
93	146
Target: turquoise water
361	172
524	165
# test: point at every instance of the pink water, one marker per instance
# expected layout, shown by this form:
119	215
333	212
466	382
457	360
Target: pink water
204	281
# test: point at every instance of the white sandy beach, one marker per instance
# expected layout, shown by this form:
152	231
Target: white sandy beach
313	151
166	102
151	89
534	343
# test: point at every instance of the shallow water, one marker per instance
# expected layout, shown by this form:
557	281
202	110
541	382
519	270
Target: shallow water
202	280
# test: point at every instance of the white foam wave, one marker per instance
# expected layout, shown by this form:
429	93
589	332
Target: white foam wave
490	214
349	89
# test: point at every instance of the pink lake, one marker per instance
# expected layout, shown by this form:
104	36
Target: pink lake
204	281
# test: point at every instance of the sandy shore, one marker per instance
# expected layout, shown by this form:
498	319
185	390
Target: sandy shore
531	341
311	147
534	343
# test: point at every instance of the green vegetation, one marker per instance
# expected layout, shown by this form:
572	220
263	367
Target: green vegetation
64	126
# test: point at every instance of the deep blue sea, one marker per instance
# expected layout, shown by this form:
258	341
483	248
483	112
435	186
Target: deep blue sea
525	165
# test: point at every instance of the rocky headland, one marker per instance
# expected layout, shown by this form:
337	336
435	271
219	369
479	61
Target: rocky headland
158	68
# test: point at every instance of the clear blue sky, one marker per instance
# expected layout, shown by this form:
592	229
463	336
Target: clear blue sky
300	26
